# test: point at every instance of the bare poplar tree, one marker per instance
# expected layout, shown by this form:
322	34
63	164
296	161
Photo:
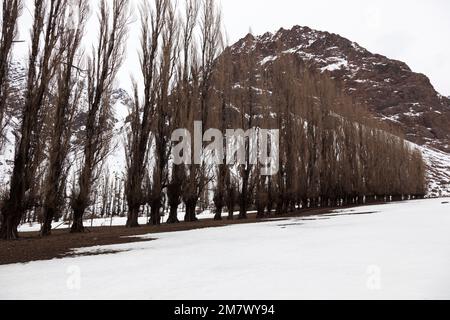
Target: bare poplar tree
246	102
44	57
152	24
102	68
220	120
182	106
67	98
162	127
202	69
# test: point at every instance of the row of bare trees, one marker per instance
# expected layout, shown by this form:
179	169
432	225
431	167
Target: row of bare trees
331	151
63	83
178	58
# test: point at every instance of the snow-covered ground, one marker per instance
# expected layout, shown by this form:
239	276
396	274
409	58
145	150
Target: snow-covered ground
108	222
391	251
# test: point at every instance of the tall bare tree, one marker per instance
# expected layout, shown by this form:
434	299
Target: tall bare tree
107	57
223	84
44	57
246	101
199	174
162	127
67	98
152	24
182	107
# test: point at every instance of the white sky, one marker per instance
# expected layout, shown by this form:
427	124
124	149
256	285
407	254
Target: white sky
415	31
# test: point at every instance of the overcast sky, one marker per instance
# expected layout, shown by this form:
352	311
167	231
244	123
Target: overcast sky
415	31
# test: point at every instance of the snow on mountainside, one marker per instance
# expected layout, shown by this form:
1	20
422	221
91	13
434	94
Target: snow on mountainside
17	75
438	163
388	87
7	155
121	102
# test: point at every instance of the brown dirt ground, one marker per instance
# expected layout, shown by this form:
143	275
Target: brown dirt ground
32	247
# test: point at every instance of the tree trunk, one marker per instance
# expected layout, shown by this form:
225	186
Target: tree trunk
155	214
291	206
260	211
133	217
230	204
190	211
13	208
77	224
218	215
280	205
9	226
269	207
218	204
242	214
230	214
46	229
173	215
304	203
243	206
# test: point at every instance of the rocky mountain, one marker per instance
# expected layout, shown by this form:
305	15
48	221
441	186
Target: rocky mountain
390	89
